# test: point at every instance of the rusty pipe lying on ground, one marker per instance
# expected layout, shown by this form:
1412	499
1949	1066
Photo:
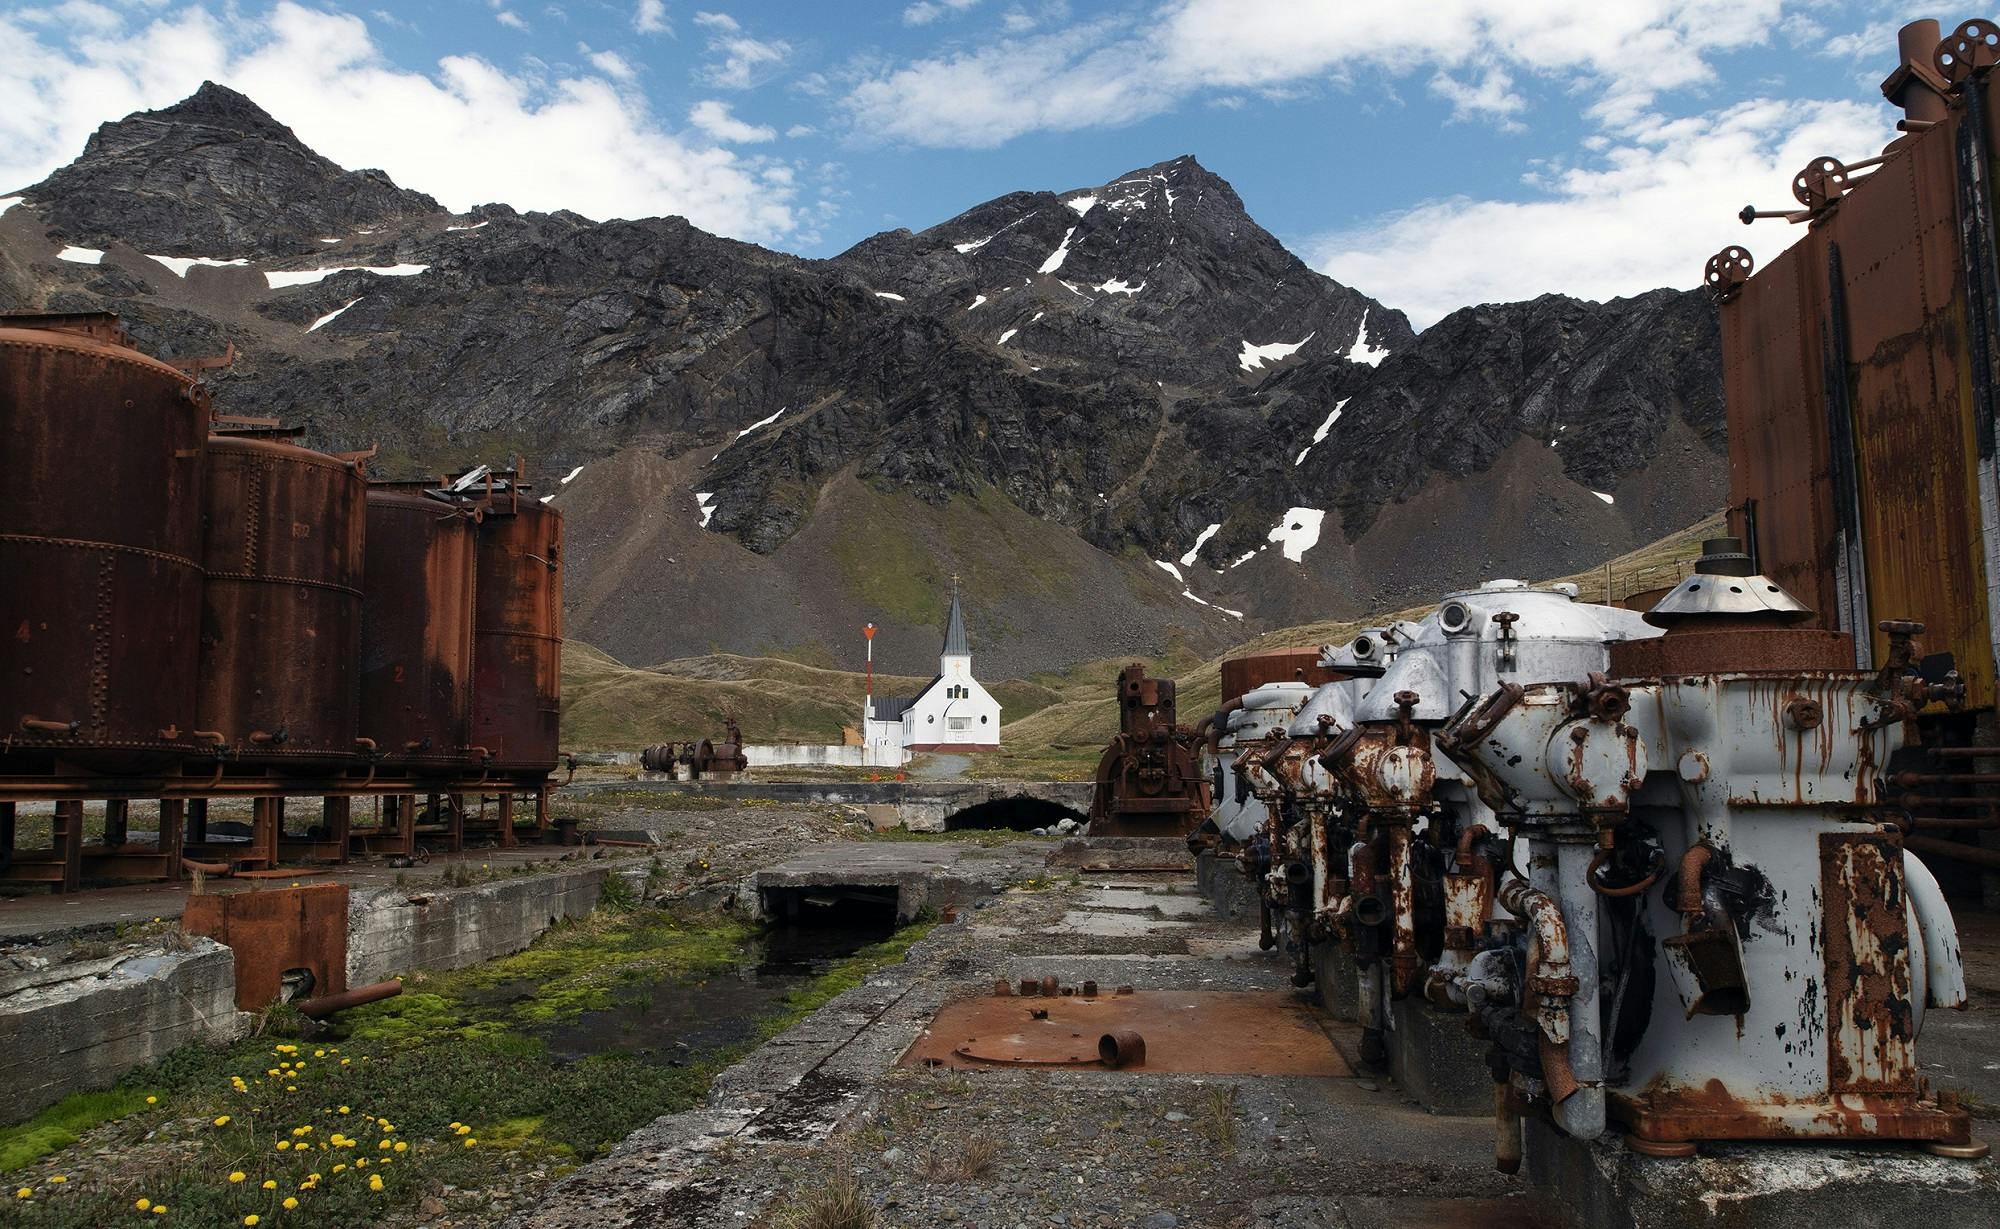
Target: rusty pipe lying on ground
326	1005
1122	1049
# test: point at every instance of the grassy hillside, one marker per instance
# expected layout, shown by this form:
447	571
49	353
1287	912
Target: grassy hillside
1057	724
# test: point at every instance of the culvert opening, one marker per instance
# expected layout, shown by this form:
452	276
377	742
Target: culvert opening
859	909
1016	814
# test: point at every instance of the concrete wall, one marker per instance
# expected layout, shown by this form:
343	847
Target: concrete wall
801	755
74	1026
396	930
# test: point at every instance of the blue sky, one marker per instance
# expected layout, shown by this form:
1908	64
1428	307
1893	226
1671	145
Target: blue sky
1433	153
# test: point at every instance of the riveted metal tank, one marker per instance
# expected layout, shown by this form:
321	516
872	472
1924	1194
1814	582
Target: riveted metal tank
100	545
281	609
416	629
517	635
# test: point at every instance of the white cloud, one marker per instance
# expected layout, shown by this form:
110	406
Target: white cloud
1117	70
613	65
712	117
650	17
511	19
1491	97
1647	211
742	61
924	12
466	131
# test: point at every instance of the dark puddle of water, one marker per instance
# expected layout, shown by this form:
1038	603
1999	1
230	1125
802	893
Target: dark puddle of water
671	1020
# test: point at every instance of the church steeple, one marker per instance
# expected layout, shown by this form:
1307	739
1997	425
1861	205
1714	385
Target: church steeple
955	642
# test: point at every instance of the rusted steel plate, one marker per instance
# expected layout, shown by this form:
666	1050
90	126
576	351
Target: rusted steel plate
1186	1031
273	931
416	629
1911	392
1871	1026
1772	339
517	637
1738	651
1243	675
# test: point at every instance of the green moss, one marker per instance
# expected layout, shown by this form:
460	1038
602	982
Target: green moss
60	1125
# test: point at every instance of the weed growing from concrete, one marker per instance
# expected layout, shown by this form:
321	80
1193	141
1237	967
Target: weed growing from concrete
835	1202
1218	1117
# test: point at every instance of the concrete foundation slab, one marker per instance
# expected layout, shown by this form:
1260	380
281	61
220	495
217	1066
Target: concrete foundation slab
1134	898
394	930
1119	925
1601	1185
69	1026
1336	984
1229	891
1437	1061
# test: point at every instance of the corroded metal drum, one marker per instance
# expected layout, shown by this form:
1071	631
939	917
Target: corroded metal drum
416	629
100	545
517	637
281	610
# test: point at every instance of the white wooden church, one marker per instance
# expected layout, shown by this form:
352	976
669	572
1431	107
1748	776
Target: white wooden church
952	713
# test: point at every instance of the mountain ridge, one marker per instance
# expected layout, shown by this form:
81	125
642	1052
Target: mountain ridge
1129	364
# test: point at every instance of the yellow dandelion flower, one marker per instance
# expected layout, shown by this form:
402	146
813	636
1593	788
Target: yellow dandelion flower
343	1062
362	1163
270	1184
291	1201
237	1176
343	1109
142	1204
382	1144
401	1146
319	1053
251	1219
374	1182
152	1100
222	1120
291	1088
469	1141
456	1125
312	1177
159	1209
23	1193
284	1144
271	1071
338	1168
58	1179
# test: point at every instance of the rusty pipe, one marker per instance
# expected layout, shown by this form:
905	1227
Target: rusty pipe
1214	724
326	1005
1123	1048
1549	976
1694	863
1908	778
36	725
1506	1131
1404	962
1556	1071
1473	833
1974	854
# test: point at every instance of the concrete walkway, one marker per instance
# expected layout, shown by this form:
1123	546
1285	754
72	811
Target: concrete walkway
1033	1146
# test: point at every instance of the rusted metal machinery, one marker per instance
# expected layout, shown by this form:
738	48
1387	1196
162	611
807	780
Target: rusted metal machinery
1387	849
692	761
1720	934
102	596
1149	781
1261	693
222	625
1858	374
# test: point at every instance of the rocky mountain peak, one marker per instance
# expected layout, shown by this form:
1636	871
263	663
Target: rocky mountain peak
213	175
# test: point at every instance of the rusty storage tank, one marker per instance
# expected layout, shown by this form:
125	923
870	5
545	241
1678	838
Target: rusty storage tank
517	635
416	628
100	545
281	610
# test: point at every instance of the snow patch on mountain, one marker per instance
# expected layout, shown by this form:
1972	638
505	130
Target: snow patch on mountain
331	316
1324	427
282	278
1361	351
81	256
1298	532
1200	541
1081	204
1255	356
180	265
1056	258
